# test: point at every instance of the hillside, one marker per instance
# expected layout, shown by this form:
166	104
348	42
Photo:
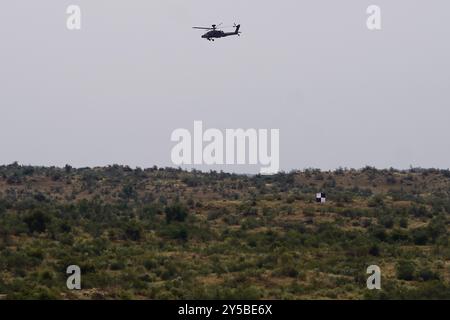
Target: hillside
170	234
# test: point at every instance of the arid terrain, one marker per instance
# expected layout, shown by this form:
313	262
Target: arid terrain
170	234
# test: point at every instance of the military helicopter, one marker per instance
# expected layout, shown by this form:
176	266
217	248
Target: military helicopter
215	33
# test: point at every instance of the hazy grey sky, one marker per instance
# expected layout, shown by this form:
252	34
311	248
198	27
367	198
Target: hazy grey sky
113	92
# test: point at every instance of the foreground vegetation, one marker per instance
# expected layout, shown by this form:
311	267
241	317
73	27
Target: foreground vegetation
171	234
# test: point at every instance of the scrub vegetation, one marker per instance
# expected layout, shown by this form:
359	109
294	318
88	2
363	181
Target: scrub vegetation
163	233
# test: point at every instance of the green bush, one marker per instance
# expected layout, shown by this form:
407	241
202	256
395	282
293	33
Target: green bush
426	274
176	212
37	221
133	232
406	270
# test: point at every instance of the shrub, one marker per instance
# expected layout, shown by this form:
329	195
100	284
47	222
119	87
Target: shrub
117	265
378	232
387	221
428	275
176	212
418	211
133	232
217	213
37	221
175	232
403	223
420	236
406	270
376	201
374	250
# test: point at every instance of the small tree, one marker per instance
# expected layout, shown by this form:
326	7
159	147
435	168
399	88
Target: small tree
133	232
406	270
403	222
176	212
37	221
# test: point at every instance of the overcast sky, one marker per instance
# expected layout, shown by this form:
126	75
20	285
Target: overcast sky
113	92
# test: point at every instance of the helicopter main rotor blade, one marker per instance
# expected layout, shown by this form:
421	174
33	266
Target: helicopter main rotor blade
202	28
229	26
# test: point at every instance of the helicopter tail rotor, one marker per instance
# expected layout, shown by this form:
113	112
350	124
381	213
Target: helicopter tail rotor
237	29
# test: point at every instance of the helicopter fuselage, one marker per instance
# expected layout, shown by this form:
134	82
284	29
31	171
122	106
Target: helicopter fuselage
217	34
